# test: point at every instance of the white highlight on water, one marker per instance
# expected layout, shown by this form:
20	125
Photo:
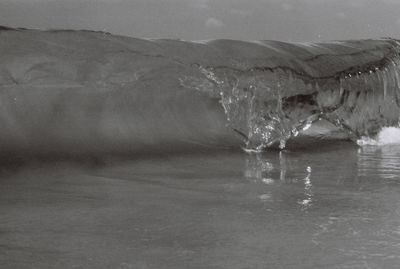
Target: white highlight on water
387	136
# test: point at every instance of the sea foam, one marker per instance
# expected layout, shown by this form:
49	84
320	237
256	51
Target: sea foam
387	136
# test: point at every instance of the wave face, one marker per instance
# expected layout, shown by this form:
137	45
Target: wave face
353	85
83	91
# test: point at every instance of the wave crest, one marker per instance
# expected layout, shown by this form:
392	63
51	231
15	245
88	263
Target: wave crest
82	91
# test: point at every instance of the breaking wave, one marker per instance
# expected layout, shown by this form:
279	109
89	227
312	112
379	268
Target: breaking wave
82	91
354	88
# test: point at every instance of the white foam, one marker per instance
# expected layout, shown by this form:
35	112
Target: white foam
387	136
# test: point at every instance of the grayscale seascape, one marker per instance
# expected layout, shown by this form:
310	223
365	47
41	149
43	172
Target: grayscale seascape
226	153
333	207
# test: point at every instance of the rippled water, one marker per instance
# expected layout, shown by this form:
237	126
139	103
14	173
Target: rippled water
330	206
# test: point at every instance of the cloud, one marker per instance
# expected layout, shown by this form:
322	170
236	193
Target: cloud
202	4
241	12
396	2
340	14
213	22
287	6
59	1
356	3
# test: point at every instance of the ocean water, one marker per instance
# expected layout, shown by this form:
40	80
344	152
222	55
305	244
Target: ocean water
331	206
119	152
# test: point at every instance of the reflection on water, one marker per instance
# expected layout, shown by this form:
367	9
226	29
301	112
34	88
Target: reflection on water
335	208
380	161
270	169
308	194
349	197
348	166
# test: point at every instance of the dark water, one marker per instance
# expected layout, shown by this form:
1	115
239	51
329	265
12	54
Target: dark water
331	206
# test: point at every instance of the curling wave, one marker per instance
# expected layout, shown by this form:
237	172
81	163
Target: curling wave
84	91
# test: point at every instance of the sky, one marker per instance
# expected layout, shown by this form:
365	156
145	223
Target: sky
285	20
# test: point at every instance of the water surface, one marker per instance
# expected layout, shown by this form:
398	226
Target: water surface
330	206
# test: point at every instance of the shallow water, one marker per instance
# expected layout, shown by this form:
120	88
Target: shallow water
330	206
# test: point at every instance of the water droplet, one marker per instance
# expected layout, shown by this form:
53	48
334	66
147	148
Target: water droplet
268	181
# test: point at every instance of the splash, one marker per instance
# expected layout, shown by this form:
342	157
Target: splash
387	136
